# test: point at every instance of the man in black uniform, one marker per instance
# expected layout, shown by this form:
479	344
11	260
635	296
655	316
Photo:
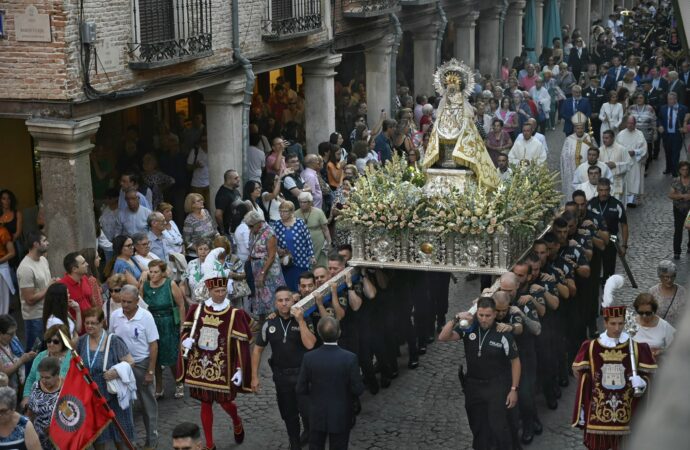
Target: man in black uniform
655	97
290	336
493	374
610	211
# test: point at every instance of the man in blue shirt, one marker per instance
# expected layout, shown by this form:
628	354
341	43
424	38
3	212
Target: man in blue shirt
384	145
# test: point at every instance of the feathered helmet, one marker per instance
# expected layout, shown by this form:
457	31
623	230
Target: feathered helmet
614	283
213	275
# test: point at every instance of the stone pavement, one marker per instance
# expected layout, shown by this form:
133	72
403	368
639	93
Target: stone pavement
424	408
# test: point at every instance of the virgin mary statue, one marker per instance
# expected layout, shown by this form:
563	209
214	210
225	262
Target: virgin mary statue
454	139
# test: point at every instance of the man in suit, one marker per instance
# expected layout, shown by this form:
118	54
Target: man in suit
670	124
606	81
329	376
571	105
658	81
677	86
685	78
596	97
617	71
578	58
656	98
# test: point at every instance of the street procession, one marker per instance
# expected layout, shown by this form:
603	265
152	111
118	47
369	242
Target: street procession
348	224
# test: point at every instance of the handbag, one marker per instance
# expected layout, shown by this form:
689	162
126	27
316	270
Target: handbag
175	311
240	288
286	260
110	384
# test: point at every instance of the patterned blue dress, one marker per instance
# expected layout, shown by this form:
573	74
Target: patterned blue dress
15	441
297	240
118	350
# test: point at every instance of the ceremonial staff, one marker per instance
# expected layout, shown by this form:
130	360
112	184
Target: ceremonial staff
631	328
197	313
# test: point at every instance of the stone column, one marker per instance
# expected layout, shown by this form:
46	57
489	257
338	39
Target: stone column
464	38
378	78
64	147
568	13
606	10
224	132
597	10
319	103
539	27
512	33
582	20
490	32
424	52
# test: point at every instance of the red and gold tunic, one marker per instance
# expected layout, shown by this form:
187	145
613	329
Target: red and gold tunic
221	346
605	403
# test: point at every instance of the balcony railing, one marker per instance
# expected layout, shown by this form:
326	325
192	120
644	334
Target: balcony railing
416	2
168	32
369	8
288	19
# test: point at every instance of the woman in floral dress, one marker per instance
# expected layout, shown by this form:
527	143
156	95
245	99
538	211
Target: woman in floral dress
263	254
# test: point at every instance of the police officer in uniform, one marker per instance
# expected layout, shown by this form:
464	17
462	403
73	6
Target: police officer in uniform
493	374
290	336
610	211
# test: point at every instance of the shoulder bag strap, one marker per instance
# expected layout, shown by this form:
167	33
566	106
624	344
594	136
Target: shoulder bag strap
107	351
671	304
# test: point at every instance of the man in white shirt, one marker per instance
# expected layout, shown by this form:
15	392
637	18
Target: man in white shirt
197	162
34	278
138	329
632	140
592	160
590	187
504	172
535	134
529	150
256	158
619	161
134	218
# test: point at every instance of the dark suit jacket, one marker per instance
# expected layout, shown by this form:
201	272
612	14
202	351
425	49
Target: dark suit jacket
655	98
612	72
578	64
680	115
596	97
567	112
679	89
330	377
663	84
609	83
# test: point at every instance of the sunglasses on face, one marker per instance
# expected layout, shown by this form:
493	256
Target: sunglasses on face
645	313
53	341
115	289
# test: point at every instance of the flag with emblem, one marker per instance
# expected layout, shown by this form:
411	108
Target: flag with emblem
81	413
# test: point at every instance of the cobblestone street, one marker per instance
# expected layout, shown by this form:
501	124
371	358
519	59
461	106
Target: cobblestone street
424	408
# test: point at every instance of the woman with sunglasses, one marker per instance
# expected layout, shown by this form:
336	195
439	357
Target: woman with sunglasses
56	349
670	295
653	330
112	296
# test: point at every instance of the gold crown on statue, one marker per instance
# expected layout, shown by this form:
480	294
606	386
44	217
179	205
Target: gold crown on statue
213	321
454	72
612	355
216	282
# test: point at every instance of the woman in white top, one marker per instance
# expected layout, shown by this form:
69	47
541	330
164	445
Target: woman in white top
611	115
241	234
551	66
628	81
112	296
142	254
272	199
59	309
653	330
171	234
251	194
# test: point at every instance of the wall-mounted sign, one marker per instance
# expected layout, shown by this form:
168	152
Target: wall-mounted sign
32	26
107	58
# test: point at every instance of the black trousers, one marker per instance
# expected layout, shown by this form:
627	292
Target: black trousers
424	311
528	381
440	287
485	403
383	340
591	307
678	227
291	405
673	142
547	360
336	441
608	261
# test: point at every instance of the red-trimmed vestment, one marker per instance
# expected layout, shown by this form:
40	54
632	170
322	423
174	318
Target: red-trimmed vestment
605	403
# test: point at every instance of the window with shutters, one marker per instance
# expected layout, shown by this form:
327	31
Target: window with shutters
287	19
169	31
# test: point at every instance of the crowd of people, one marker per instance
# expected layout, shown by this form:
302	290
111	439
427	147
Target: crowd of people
131	303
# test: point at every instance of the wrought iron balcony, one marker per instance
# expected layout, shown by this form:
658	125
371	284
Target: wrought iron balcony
417	2
289	19
168	32
368	8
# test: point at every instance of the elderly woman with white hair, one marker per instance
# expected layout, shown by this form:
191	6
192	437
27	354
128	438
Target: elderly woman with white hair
264	260
317	224
16	431
670	295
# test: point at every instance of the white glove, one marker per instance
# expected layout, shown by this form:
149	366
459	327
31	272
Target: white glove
187	343
638	382
237	378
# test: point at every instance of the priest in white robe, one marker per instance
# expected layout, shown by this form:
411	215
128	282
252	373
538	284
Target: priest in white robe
633	141
574	153
589	187
529	150
619	161
592	160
